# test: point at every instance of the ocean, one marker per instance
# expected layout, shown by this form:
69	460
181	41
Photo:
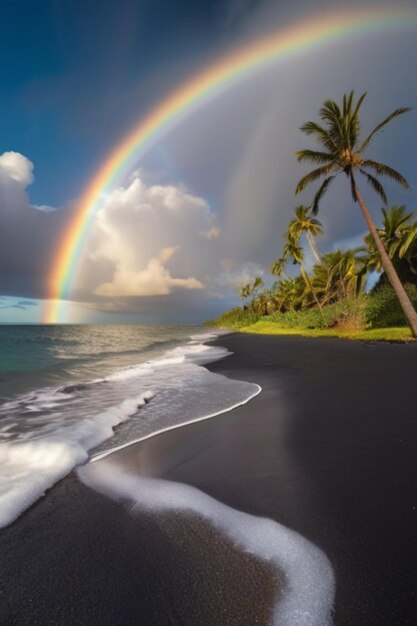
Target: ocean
72	392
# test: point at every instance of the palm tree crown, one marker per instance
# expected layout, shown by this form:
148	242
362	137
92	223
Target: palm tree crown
302	223
399	236
339	134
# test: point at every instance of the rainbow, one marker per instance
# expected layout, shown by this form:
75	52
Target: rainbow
293	41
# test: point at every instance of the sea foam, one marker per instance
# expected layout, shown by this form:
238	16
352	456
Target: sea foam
308	596
28	468
44	434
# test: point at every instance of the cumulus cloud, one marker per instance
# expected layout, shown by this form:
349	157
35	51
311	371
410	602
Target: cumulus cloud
146	241
17	167
154	280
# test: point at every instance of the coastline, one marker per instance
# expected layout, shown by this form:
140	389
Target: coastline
317	453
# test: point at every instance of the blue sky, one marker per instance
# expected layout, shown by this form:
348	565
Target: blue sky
69	69
77	76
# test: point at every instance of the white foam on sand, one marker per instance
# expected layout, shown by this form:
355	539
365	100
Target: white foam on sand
29	468
254	391
308	596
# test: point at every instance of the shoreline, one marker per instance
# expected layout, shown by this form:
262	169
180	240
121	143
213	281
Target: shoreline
317	454
102	455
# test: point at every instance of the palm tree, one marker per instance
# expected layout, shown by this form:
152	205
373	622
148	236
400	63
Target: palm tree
263	302
343	152
302	223
278	266
399	236
251	289
287	293
293	249
340	274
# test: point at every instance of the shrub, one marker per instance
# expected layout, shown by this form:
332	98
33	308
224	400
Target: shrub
235	318
383	308
347	314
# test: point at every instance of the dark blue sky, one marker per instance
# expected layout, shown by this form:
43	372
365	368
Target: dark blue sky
75	76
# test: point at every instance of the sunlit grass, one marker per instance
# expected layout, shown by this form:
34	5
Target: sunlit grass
264	327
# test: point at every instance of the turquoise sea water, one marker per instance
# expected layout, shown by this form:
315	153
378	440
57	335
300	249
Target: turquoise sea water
36	355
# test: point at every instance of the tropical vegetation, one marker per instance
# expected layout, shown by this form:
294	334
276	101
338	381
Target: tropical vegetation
329	292
343	151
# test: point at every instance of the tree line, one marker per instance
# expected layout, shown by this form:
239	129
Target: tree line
390	248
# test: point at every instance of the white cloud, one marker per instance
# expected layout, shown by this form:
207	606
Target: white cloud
17	167
146	242
44	207
154	280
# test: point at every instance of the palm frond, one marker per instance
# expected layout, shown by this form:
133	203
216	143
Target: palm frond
347	104
330	113
385	170
278	266
320	193
324	137
358	105
376	185
412	237
354	124
380	126
395	218
312	176
315	157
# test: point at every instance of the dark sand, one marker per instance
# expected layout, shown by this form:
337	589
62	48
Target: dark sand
328	449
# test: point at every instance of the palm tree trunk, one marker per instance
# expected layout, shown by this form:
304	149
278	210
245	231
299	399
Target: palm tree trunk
389	269
313	247
313	291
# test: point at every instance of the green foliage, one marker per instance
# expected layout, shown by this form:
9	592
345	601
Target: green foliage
347	313
383	308
379	309
265	327
399	236
251	289
235	318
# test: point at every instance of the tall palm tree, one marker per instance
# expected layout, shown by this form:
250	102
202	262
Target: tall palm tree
343	152
304	222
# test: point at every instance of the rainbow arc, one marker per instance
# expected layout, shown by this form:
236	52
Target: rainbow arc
302	37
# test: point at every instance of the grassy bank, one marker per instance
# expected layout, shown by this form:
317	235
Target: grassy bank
266	327
372	317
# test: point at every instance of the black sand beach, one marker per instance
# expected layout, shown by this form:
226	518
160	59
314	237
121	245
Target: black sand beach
327	449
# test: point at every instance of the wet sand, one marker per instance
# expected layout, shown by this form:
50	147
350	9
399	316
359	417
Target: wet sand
327	449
